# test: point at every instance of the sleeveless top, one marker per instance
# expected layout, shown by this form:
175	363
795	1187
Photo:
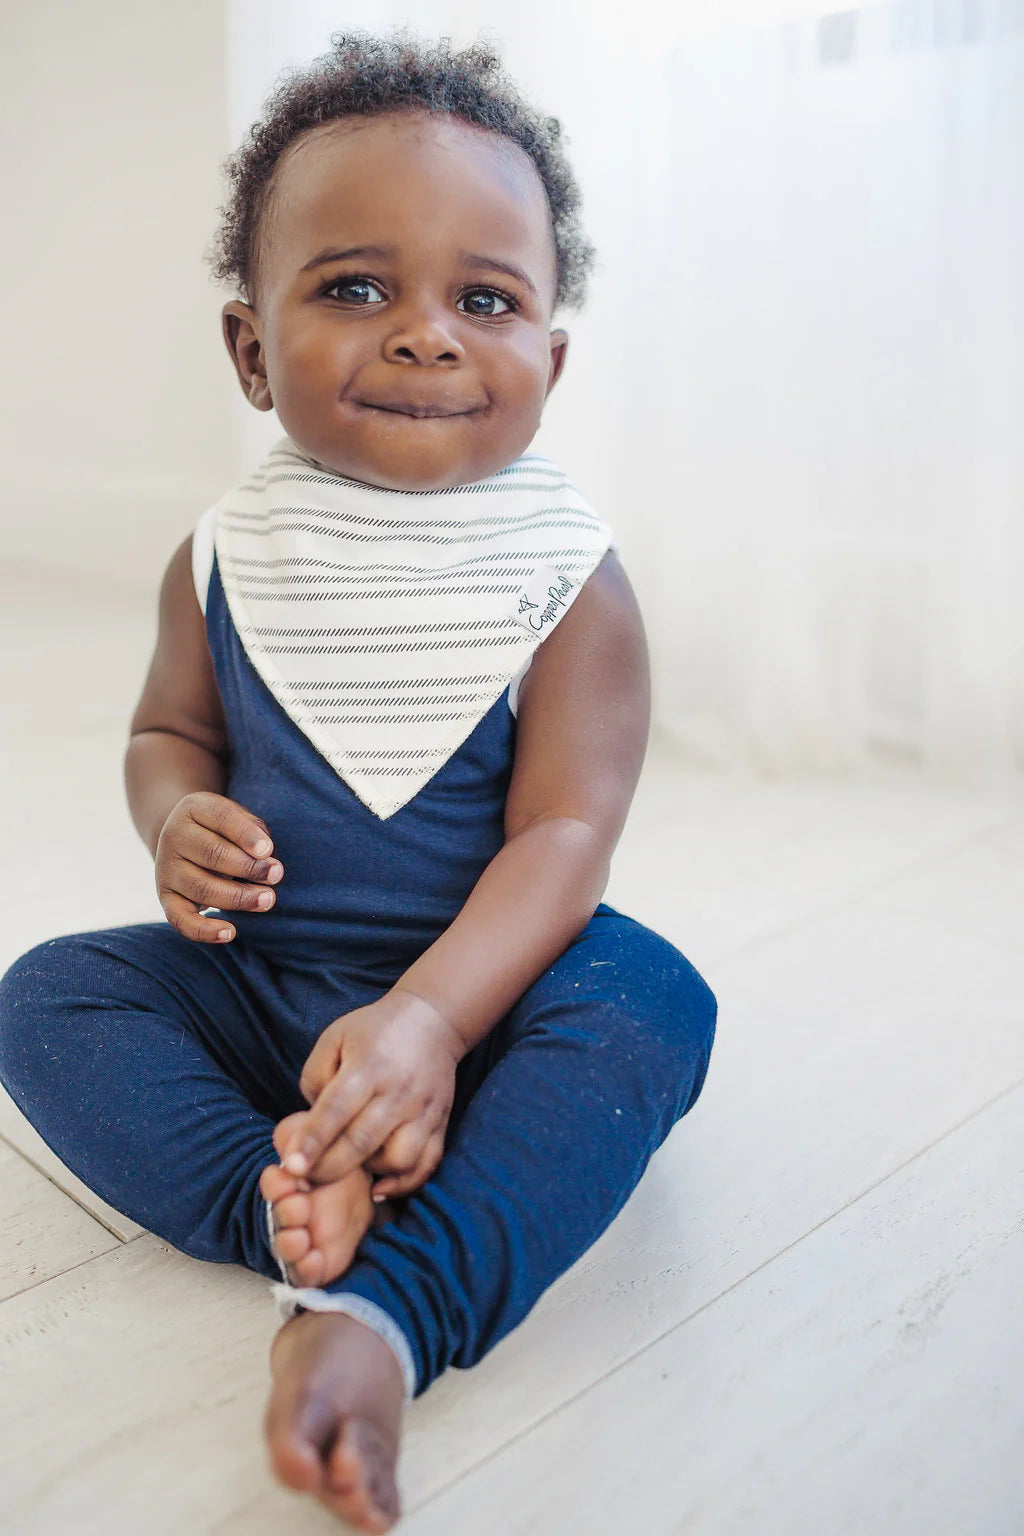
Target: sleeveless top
370	893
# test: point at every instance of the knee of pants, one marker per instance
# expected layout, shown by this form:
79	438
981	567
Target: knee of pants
42	997
701	1013
631	995
691	1010
32	983
679	1012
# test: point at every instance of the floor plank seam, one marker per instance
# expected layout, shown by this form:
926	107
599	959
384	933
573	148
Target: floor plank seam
47	1174
713	1300
62	1274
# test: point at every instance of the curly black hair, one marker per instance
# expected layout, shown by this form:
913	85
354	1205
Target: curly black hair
369	75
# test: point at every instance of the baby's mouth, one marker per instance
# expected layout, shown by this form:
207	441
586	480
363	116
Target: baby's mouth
417	409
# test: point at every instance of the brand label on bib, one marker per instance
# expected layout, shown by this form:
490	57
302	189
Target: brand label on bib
542	600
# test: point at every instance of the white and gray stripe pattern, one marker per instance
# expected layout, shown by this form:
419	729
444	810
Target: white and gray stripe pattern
387	623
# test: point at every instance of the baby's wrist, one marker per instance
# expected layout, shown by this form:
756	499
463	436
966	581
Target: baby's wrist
436	1020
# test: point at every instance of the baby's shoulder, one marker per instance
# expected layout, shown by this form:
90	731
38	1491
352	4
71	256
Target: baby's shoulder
597	652
180	691
202	546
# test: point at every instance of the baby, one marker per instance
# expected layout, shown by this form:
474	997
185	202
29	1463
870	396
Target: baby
391	1050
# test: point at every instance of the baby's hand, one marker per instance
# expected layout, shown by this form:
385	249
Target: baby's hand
210	851
381	1080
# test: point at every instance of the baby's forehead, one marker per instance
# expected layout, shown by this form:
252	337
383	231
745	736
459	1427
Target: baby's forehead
410	180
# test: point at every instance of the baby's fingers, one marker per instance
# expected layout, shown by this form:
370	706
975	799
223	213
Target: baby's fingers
207	850
185	918
392	1185
349	1118
409	1139
284	1130
218	814
403	1148
209	890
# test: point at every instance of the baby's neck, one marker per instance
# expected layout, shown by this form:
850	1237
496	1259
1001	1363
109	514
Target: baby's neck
371	485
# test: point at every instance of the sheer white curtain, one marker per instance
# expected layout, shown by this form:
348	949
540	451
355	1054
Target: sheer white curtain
797	387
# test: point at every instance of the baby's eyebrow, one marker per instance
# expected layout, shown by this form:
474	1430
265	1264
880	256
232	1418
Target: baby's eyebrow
321	259
470	260
387	253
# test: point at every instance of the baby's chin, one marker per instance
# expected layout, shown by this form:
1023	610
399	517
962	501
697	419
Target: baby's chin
394	452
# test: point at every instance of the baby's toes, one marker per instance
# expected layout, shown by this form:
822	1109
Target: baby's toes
342	1214
285	1129
292	1244
276	1183
292	1211
310	1268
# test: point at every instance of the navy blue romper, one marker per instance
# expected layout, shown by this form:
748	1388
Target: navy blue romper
157	1068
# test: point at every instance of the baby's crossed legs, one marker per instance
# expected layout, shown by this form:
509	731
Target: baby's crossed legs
166	1106
147	1064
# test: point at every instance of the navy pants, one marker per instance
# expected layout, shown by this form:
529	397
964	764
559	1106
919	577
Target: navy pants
157	1069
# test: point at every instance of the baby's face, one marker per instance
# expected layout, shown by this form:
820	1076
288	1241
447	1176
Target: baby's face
347	347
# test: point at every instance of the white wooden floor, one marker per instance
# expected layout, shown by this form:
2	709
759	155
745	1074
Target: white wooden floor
807	1321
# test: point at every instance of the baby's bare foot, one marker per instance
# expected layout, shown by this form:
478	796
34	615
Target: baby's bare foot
317	1233
334	1416
319	1226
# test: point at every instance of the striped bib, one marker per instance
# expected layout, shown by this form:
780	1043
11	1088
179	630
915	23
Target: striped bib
387	623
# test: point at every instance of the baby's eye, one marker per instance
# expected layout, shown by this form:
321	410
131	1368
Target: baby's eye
363	284
489	296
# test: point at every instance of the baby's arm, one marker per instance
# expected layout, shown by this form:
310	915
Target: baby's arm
584	712
178	738
175	771
584	709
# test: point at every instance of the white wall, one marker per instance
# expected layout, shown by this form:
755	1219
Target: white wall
797	386
561	57
119	415
115	398
796	389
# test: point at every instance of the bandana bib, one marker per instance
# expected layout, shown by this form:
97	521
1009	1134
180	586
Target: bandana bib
387	623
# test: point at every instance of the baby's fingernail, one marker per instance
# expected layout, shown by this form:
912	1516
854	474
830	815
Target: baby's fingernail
378	1198
296	1163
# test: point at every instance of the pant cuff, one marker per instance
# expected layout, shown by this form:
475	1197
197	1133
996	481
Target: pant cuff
289	1299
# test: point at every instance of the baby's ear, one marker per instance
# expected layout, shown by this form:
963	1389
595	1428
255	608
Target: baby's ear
559	347
242	332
